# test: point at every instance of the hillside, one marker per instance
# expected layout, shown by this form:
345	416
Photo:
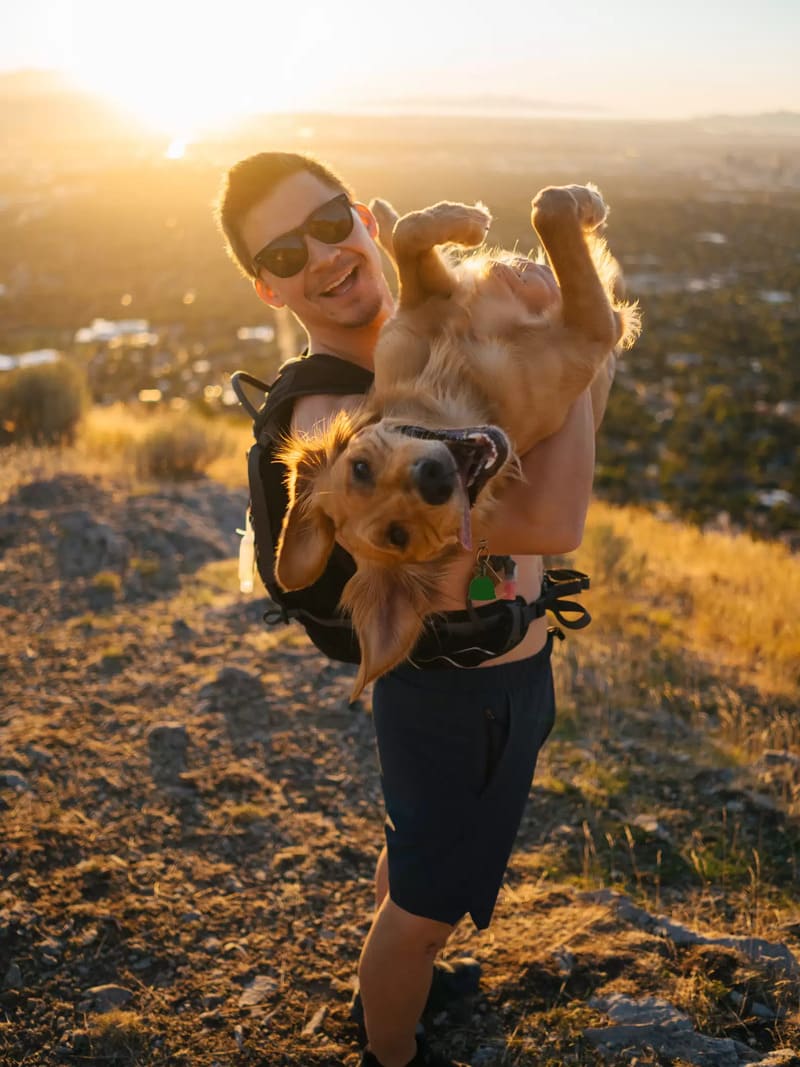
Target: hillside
191	809
101	220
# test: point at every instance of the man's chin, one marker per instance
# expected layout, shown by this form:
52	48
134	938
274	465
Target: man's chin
365	315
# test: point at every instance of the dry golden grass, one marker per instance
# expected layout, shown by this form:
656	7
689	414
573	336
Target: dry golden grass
729	598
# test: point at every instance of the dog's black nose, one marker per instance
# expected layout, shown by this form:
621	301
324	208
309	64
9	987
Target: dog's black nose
434	480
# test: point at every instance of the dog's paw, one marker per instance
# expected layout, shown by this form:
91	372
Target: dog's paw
441	224
560	202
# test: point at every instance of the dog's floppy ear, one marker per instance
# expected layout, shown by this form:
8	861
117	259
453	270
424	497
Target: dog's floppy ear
308	532
424	272
388	608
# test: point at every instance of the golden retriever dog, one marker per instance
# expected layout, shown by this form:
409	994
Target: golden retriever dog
467	378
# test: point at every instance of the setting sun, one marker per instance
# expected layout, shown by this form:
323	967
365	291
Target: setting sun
181	69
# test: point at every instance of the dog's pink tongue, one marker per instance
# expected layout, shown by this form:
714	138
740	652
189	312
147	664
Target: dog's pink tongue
465	536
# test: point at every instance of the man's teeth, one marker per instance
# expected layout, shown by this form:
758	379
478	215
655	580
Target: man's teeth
339	281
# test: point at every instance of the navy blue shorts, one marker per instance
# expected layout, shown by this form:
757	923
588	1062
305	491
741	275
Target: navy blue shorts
457	753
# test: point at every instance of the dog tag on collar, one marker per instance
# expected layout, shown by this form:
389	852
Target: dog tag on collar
481	588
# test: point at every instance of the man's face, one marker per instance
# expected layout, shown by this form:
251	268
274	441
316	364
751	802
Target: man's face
341	285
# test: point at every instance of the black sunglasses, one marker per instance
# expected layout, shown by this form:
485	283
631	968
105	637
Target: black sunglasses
288	254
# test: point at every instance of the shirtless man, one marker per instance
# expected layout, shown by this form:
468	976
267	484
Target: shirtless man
457	747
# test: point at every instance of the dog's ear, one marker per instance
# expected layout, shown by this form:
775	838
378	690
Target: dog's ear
308	532
422	270
388	608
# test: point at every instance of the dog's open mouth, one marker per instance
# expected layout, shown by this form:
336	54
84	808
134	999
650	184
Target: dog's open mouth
479	452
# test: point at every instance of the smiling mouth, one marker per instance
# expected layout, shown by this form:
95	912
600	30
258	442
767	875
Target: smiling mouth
343	284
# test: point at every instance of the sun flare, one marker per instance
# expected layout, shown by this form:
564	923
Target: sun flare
181	69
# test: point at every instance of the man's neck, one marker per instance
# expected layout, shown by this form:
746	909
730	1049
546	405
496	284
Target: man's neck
356	345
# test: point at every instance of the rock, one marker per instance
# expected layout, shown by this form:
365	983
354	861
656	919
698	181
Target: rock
650	1010
314	1025
565	961
780	1057
212	1019
13	978
13	780
240	697
654	1023
260	989
167	743
751	1007
772	953
108	997
651	825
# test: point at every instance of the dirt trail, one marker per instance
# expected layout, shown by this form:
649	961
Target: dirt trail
191	813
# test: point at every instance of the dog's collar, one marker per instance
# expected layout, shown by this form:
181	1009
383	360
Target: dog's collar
479	451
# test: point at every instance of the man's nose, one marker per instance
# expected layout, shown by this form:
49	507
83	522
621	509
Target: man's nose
320	254
434	480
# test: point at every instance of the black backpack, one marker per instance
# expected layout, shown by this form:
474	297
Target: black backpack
317	606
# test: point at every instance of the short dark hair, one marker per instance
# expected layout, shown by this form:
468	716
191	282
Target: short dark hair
254	178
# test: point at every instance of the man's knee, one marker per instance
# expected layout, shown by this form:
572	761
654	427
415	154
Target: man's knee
419	934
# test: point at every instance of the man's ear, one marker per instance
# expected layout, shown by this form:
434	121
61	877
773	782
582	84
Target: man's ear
369	220
267	294
387	608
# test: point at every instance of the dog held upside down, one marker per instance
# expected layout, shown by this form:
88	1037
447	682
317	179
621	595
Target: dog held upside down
468	377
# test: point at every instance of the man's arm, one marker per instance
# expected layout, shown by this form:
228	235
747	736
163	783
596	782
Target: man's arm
545	513
310	413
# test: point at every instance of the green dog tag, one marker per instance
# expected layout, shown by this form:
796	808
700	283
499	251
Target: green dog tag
481	588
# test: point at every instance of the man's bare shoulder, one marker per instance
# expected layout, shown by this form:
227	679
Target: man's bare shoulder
311	413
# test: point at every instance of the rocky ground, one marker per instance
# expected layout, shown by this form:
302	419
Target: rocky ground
191	813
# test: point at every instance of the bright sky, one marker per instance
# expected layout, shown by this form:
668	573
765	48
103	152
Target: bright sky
182	65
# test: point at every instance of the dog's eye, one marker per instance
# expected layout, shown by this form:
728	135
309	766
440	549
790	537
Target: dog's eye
361	472
397	535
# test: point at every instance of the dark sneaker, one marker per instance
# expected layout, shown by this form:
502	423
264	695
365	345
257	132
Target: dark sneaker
425	1057
453	980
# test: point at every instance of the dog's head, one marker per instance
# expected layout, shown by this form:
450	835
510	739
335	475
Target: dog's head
398	498
391	493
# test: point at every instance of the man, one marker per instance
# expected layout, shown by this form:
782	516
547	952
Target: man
453	807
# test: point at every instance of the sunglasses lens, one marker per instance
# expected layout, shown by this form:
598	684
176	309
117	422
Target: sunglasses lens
284	257
287	255
332	222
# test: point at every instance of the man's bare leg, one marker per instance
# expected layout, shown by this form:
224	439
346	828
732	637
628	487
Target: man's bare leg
394	975
381	877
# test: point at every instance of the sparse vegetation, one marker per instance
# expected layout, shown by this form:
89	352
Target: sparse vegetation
673	776
42	404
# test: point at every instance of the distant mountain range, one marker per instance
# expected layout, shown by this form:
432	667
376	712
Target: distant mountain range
47	105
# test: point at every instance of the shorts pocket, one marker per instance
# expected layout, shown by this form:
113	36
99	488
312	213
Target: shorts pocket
497	727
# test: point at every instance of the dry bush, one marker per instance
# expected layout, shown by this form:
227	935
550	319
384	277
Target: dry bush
179	447
170	445
727	597
42	404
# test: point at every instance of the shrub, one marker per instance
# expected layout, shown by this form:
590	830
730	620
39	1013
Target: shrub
179	448
43	404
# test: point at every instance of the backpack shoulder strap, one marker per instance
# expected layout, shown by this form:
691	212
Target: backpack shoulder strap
304	376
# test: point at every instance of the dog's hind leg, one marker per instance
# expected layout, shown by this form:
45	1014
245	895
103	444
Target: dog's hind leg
564	217
422	271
